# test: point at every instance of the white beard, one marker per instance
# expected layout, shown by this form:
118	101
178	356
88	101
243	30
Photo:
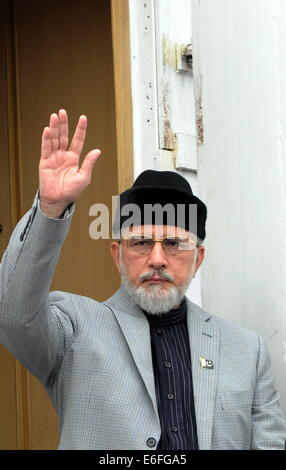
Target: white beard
156	299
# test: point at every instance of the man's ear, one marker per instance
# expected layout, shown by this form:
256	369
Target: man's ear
200	258
115	252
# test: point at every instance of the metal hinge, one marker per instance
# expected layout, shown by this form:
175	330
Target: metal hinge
184	57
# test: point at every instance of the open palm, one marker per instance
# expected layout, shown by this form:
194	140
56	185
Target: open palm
62	180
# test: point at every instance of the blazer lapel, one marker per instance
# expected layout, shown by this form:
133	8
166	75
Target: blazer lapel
204	344
135	328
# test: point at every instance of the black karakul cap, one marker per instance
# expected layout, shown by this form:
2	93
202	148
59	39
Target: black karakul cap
163	187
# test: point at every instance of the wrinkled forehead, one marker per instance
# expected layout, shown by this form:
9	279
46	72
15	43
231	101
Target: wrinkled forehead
156	231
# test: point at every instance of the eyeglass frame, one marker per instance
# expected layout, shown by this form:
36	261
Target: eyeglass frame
161	240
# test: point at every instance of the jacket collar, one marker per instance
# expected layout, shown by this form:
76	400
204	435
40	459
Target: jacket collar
204	345
135	328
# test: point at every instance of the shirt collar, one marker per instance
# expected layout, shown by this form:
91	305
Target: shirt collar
173	317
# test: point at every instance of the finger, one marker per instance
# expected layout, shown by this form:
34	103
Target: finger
54	131
88	163
63	129
46	143
79	136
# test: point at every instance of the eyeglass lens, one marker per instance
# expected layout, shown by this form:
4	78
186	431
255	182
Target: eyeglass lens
145	244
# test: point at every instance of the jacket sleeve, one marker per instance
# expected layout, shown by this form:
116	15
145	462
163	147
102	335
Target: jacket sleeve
269	427
31	328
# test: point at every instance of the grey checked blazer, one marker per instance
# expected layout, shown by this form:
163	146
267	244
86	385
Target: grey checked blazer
95	360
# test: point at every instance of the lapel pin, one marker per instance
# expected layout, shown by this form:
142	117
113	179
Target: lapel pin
206	363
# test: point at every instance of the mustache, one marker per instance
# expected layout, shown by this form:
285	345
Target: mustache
160	273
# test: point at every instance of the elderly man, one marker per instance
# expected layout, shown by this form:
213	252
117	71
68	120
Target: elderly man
146	369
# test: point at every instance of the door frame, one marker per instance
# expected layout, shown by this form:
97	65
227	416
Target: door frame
123	94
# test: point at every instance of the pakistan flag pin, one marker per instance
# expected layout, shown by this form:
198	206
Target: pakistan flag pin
206	363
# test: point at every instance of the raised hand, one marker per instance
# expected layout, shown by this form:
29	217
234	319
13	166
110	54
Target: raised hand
61	179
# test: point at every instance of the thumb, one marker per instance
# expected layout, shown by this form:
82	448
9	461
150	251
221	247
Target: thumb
88	163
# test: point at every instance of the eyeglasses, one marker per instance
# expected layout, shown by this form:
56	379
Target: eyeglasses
144	244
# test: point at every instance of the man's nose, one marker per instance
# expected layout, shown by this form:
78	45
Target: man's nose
157	257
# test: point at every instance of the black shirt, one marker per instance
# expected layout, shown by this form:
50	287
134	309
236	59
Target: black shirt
173	379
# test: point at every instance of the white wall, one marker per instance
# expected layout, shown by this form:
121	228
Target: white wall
240	66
